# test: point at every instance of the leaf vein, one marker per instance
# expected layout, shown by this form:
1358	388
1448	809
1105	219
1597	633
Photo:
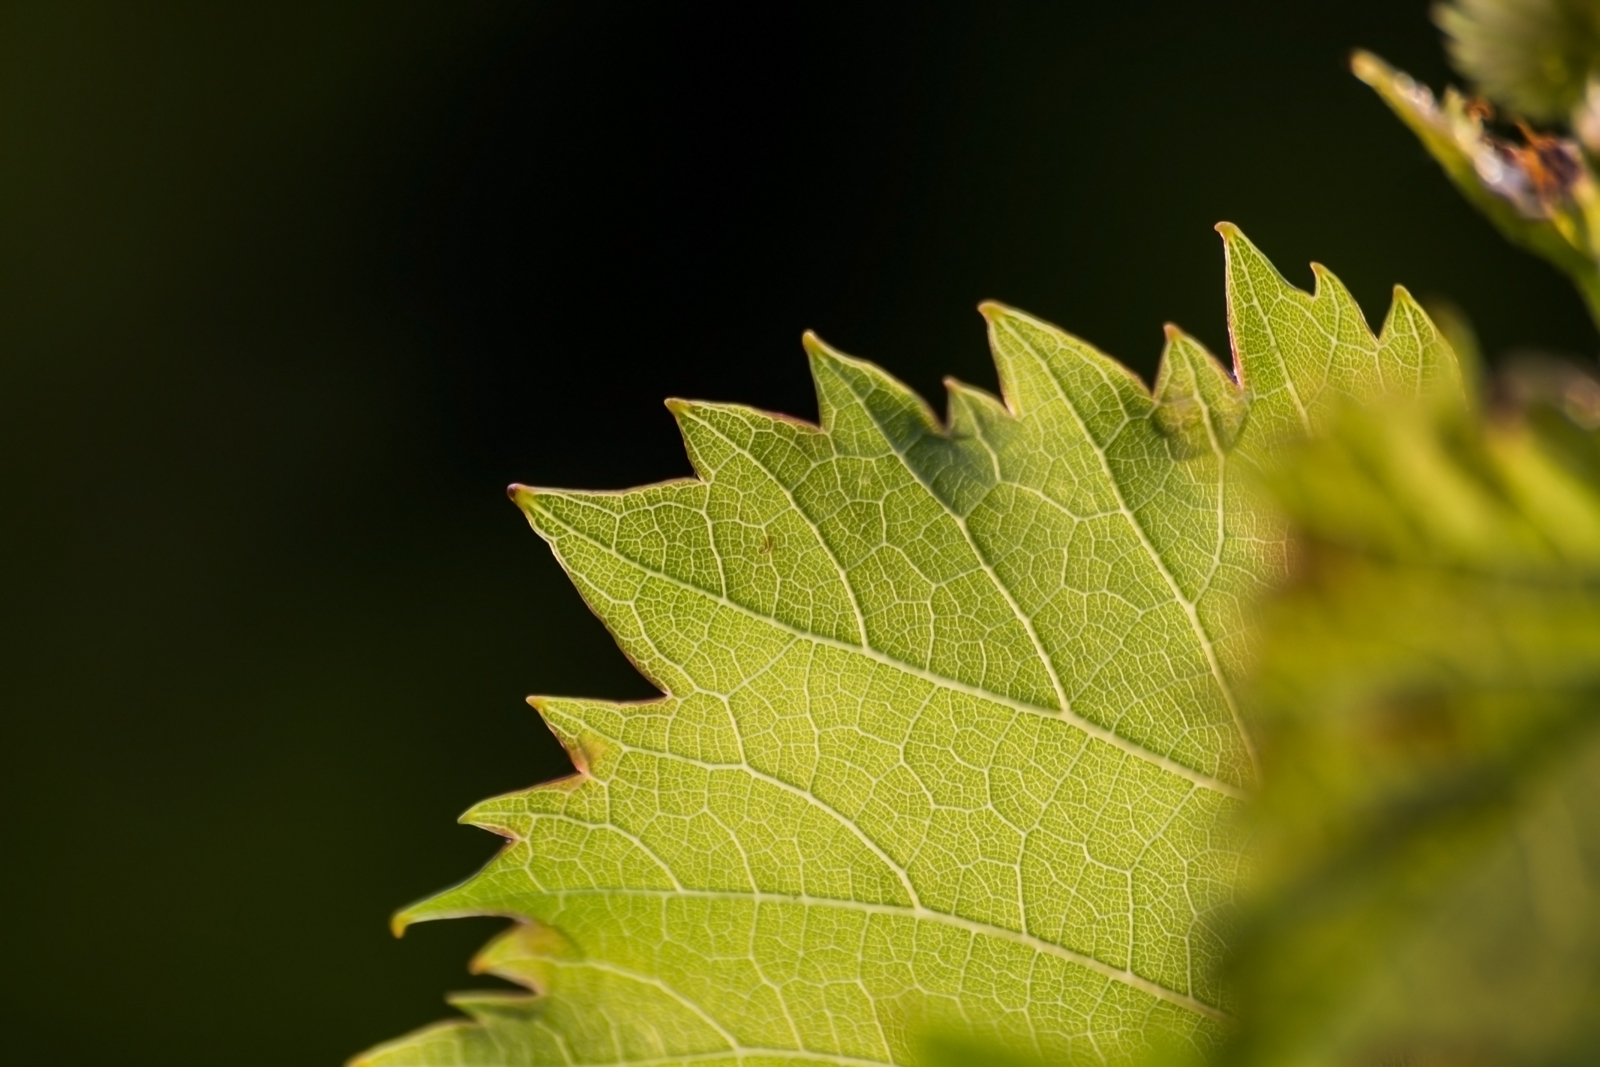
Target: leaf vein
976	927
1094	730
1193	615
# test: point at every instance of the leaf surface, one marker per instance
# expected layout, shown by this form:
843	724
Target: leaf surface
949	732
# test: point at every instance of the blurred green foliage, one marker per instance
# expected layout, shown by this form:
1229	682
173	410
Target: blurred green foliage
1534	57
1428	887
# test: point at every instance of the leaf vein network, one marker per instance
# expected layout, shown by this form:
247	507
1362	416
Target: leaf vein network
1094	730
844	579
983	562
1156	558
1125	975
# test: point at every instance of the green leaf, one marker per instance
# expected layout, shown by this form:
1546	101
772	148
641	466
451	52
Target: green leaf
1429	872
950	734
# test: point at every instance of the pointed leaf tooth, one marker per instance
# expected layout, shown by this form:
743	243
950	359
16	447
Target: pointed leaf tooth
861	403
564	849
584	750
1326	286
632	555
661	527
1332	303
714	431
467	900
697	726
489	1006
1413	346
980	427
491	815
974	411
1198	405
1025	383
765	516
1261	304
506	814
1041	366
698	418
519	953
640	1016
682	413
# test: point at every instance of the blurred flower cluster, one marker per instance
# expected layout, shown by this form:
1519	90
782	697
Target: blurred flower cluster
1523	145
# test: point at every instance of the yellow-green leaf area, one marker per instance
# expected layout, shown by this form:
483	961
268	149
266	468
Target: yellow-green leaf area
948	731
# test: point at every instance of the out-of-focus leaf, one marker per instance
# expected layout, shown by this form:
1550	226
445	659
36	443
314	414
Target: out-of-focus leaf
1457	329
1534	57
1428	888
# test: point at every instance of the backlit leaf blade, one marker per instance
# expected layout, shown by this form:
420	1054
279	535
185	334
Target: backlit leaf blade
950	733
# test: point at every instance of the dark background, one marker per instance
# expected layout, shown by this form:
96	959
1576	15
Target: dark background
290	291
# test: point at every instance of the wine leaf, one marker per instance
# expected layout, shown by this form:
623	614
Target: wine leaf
950	733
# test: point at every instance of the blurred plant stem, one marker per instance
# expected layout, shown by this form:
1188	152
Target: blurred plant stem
1542	193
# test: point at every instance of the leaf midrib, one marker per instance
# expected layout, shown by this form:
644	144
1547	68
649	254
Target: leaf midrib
914	909
1092	729
1127	976
734	1046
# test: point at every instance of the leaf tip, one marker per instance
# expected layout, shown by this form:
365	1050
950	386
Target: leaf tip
993	310
582	750
1368	67
1229	231
815	346
821	353
1324	280
1403	303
